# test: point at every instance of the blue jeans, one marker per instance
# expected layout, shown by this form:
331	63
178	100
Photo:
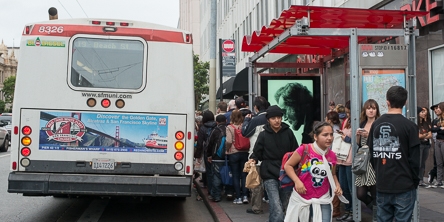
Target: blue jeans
326	212
345	180
278	200
216	188
395	205
237	162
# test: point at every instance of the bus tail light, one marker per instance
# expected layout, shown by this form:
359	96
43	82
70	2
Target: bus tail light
188	38
120	103
179	145
25	151
178	166
189	136
26	141
27	30
96	22
14	165
124	24
16	130
106	103
179	135
178	155
188	169
26	130
110	23
25	162
91	102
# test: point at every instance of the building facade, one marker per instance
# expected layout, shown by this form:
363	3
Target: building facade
8	64
189	20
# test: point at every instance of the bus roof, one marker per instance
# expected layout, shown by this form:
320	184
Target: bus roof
70	27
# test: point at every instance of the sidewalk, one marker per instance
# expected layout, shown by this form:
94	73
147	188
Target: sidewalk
431	203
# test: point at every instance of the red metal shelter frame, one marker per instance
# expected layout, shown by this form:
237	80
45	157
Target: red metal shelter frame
329	33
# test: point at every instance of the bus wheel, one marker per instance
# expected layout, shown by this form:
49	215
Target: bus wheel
5	145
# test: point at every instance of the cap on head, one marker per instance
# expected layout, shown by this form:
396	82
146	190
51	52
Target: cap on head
240	102
274	111
433	107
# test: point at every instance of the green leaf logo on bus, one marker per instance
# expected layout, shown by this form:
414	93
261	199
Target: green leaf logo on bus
44	43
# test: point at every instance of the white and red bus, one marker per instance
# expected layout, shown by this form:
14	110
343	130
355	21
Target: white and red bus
103	107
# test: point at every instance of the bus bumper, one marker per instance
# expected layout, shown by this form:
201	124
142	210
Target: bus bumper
44	184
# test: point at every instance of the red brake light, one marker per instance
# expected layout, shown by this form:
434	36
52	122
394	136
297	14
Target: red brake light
14	165
27	29
16	130
25	151
96	22
188	38
124	24
26	130
110	23
180	135
178	155
106	103
189	136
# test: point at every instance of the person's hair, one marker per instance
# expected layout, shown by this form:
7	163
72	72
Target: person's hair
221	118
441	107
222	106
311	134
427	120
397	96
207	116
340	108
369	103
299	98
198	119
333	116
231	105
318	127
261	103
240	103
236	117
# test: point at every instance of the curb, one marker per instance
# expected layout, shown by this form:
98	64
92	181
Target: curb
216	211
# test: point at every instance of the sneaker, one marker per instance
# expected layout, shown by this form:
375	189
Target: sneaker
440	185
245	199
430	186
422	184
430	179
230	196
237	201
265	200
251	211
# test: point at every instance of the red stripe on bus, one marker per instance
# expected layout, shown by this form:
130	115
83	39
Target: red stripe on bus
147	34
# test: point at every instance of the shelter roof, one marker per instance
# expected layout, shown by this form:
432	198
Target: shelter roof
324	17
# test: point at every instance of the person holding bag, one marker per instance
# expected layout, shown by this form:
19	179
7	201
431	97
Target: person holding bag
237	158
310	195
344	166
271	145
367	182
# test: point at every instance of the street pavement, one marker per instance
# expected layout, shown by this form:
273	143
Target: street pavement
431	203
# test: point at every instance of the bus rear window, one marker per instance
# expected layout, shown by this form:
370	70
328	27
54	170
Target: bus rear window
107	63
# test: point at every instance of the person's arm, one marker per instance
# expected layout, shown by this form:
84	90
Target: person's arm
247	127
211	143
258	150
435	127
338	190
289	167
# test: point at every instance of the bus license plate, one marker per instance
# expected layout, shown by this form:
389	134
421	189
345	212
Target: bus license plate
102	164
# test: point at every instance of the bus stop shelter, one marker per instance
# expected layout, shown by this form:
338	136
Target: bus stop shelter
329	33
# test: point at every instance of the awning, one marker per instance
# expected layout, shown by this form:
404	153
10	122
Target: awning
237	85
324	17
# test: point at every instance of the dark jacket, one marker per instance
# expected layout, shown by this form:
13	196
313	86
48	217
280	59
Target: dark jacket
215	140
270	147
202	137
249	125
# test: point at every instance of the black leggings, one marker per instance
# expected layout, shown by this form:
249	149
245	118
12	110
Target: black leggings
362	193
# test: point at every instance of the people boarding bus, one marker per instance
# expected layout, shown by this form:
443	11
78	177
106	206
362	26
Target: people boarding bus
103	107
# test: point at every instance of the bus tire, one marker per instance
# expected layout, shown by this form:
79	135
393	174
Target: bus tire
5	145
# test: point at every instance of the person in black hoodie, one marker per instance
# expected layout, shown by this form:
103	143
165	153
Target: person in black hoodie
208	124
217	161
271	145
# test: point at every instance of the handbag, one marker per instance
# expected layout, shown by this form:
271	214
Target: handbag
199	165
225	173
253	179
361	160
340	147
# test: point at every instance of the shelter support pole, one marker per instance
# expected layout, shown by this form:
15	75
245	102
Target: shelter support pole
324	88
212	73
411	103
250	85
354	110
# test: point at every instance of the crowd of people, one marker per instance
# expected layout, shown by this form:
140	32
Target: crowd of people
398	151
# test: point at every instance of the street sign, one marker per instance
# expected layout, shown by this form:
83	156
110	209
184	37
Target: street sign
228	45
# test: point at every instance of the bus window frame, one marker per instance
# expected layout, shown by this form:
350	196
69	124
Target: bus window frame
92	89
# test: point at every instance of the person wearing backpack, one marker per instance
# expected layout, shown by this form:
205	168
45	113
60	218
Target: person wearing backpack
216	155
271	145
203	134
315	178
237	156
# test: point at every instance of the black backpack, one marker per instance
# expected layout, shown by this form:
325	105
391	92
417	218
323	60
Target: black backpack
219	146
208	132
